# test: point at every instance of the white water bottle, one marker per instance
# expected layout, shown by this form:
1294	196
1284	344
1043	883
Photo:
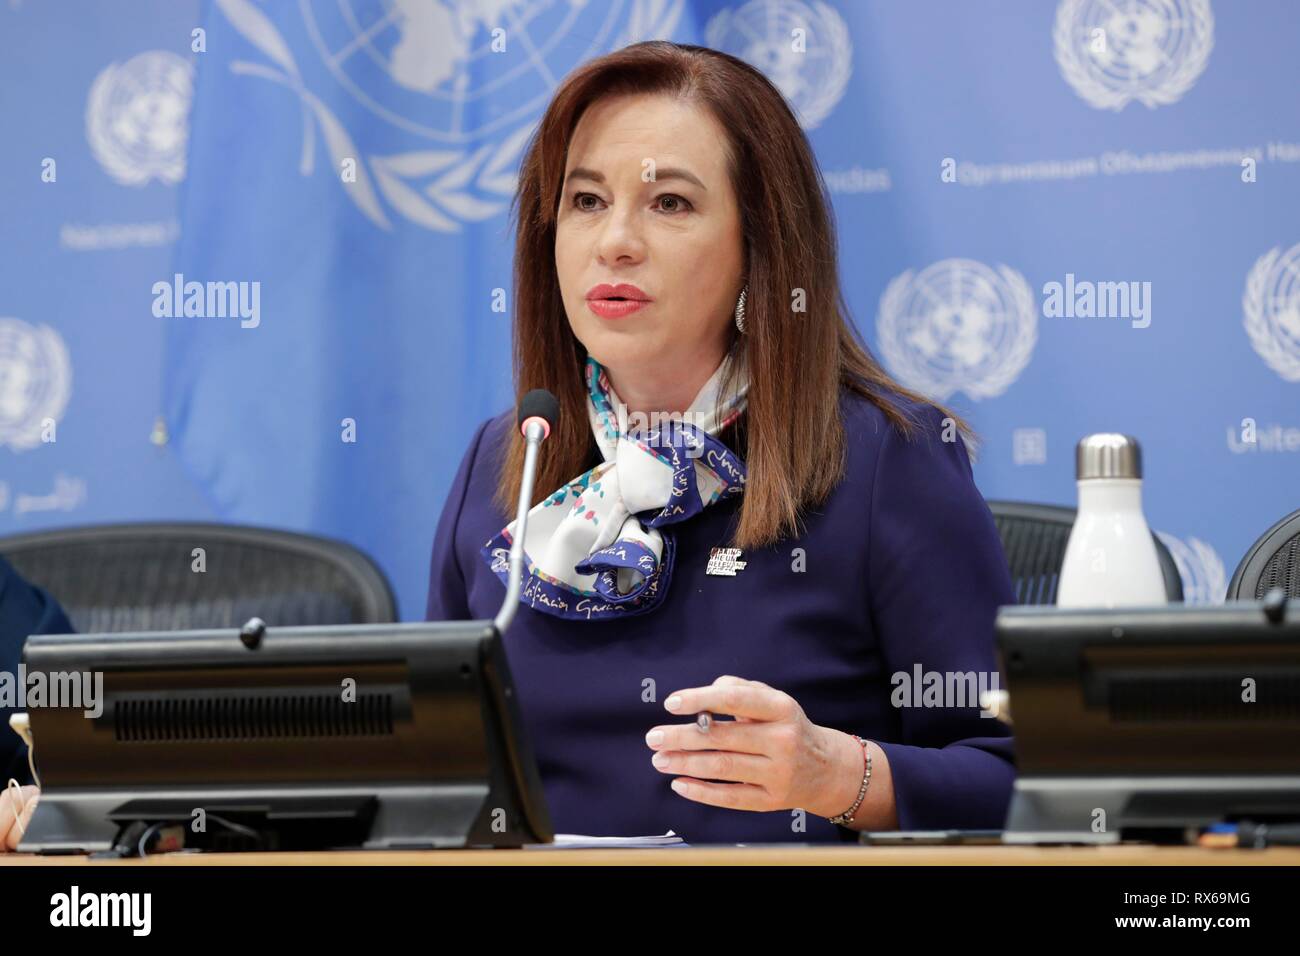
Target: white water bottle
1110	559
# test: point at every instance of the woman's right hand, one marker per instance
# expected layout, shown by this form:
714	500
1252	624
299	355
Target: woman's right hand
11	834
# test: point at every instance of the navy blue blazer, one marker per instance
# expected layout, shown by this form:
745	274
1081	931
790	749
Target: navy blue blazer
903	567
24	610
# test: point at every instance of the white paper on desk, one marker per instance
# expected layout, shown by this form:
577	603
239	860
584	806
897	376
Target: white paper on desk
574	841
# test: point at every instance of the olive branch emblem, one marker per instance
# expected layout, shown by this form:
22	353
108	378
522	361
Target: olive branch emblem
461	185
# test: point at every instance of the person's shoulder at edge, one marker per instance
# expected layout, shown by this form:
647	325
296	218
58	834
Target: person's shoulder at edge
26	608
471	489
868	428
493	436
490	435
923	499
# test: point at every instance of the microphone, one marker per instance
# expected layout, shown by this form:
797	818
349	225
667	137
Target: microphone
538	413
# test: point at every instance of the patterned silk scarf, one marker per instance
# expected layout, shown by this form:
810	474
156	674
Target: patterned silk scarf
601	546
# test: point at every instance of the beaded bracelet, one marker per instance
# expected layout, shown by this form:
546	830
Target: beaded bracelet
847	817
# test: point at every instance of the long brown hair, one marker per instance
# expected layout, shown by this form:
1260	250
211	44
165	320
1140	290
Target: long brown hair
798	360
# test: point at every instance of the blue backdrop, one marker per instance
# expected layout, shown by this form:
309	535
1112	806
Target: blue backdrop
1061	217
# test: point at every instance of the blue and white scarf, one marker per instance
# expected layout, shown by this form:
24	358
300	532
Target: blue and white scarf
601	546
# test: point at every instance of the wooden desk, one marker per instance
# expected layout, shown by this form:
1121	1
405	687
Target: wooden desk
1123	855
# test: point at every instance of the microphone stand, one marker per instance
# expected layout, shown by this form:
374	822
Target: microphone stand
535	430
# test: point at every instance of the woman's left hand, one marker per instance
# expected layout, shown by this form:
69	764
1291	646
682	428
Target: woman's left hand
773	756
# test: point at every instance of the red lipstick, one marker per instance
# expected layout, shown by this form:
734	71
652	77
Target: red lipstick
616	301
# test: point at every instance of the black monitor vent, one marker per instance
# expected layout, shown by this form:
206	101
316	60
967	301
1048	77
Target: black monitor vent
251	717
1204	698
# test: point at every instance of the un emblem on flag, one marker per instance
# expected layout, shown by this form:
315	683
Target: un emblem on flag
137	117
1151	51
958	325
35	381
803	48
462	80
1271	306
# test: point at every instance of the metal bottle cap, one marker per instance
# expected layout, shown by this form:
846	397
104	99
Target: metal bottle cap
1108	455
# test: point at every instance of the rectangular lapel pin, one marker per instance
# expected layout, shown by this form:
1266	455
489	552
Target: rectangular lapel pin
724	562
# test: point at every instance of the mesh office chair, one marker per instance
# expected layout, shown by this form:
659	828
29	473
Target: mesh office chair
1034	538
141	577
1272	562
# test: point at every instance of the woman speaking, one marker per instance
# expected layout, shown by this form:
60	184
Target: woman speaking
747	539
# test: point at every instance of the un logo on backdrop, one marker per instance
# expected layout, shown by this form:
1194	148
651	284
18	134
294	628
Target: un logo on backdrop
1205	581
811	69
470	76
958	326
1151	51
35	381
1271	306
137	117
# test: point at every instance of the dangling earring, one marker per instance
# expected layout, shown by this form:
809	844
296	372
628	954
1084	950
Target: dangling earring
740	310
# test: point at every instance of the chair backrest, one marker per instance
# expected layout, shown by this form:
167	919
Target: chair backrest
1034	538
151	577
1272	562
